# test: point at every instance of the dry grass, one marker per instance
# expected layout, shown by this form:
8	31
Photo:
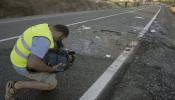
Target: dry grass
16	8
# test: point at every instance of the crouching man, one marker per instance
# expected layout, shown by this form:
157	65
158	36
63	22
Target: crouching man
27	58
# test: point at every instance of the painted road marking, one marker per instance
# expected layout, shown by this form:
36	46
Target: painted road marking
49	16
98	90
7	39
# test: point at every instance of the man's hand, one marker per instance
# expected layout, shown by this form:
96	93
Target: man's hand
58	68
38	65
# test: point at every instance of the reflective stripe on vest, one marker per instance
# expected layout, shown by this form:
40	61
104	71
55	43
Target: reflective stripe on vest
22	48
24	43
20	53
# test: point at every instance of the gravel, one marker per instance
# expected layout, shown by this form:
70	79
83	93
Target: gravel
151	74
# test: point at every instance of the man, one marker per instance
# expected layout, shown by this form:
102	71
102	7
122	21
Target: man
27	55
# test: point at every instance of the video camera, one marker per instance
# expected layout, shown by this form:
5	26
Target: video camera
61	56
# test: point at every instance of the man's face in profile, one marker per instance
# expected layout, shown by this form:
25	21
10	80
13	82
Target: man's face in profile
59	36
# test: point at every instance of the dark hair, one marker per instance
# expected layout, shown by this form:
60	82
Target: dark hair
62	28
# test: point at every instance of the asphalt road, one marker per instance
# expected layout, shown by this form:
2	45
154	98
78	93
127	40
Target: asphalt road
92	41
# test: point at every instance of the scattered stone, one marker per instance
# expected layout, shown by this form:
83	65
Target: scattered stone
138	17
136	27
97	37
117	33
85	27
108	56
152	30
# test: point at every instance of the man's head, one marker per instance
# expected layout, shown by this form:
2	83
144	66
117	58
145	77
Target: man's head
59	32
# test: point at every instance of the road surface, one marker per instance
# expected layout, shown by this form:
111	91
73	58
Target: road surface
98	37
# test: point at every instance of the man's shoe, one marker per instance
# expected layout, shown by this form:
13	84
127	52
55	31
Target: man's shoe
10	90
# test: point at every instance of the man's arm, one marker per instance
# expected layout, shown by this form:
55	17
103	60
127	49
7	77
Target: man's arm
37	64
39	48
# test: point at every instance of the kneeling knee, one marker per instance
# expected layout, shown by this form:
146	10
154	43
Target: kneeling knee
52	85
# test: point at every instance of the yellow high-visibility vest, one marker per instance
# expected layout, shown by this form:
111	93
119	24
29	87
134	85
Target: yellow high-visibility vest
22	48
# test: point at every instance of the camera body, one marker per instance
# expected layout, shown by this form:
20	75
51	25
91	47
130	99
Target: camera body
63	56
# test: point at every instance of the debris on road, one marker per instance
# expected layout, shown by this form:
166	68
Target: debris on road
83	27
152	30
136	28
108	56
97	37
138	17
117	33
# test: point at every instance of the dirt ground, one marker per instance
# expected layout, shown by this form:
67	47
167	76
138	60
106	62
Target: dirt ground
151	75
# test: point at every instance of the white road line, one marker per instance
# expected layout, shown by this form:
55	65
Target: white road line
49	16
103	83
56	15
99	18
6	39
148	25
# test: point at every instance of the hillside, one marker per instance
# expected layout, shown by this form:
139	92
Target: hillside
17	8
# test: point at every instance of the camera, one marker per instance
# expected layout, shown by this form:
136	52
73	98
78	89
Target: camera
63	56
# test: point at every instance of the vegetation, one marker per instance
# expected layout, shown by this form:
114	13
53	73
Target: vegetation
16	8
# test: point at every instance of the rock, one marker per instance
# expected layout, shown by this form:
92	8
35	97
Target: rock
152	30
108	56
